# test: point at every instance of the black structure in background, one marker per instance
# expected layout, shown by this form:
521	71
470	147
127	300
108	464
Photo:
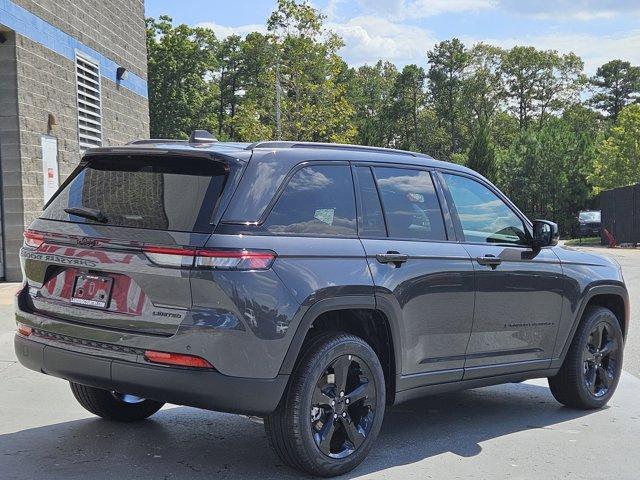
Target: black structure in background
621	213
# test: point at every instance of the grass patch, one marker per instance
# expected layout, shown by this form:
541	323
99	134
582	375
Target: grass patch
583	241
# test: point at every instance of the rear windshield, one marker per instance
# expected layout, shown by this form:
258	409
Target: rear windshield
177	194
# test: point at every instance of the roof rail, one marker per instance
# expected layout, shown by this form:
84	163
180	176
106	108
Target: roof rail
153	141
201	136
334	146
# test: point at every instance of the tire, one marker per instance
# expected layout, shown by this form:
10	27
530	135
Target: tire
113	406
305	415
589	375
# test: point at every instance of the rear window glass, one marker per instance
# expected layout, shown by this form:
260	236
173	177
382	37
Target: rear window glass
143	192
370	215
318	200
410	204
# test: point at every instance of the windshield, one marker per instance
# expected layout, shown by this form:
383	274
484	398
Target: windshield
593	216
177	194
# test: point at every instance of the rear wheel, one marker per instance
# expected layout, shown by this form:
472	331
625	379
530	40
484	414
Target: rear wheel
113	405
591	370
332	411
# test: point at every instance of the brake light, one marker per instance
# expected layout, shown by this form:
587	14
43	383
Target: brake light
217	259
177	359
24	330
33	239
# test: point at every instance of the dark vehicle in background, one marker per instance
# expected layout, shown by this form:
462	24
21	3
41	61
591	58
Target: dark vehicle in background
589	223
310	284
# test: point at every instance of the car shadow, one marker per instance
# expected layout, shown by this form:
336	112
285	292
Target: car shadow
182	442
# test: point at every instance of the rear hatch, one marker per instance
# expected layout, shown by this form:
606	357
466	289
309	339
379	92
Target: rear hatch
114	248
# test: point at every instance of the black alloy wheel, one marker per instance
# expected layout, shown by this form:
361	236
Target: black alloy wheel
601	359
343	406
332	411
592	366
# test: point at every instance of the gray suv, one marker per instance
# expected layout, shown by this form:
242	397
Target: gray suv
309	284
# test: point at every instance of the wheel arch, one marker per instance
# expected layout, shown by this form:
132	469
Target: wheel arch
332	313
612	296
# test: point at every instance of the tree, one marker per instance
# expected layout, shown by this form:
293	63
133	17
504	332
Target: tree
483	89
617	84
311	74
371	94
482	154
545	171
560	82
230	58
181	60
448	61
408	101
540	82
618	155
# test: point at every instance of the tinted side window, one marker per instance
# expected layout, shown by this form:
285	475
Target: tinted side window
483	215
371	220
410	204
318	200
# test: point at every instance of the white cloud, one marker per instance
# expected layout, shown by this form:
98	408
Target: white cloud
595	50
584	10
368	39
222	31
416	9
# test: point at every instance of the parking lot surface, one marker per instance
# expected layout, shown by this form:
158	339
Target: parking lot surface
515	431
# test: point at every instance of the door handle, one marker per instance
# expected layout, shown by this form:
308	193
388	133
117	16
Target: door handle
392	257
489	261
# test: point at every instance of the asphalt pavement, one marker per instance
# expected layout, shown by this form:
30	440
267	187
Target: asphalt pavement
515	431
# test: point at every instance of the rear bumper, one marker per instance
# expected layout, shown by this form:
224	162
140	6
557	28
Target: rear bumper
183	386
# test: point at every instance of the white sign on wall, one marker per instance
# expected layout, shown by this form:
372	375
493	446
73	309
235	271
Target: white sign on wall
49	165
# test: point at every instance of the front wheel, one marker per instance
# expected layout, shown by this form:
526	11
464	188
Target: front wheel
591	370
333	408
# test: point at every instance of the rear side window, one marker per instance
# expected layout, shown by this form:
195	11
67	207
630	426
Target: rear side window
318	200
410	203
371	219
144	192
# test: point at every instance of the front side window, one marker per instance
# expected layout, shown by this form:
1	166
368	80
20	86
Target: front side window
410	204
484	217
318	200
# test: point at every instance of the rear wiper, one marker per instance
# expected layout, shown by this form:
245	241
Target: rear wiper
89	213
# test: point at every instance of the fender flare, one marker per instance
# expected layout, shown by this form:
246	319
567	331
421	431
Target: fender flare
590	292
367	302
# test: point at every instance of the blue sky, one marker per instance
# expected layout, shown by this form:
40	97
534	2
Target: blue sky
403	30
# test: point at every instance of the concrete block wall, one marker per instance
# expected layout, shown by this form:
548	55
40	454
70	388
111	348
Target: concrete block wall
42	73
114	28
10	159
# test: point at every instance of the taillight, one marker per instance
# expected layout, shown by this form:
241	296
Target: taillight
235	259
33	239
24	330
217	259
178	359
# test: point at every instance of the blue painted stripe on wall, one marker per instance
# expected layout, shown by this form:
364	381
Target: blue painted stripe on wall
33	27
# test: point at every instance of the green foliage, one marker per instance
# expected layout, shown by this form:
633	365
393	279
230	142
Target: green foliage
180	61
482	153
617	83
545	171
448	62
618	155
515	115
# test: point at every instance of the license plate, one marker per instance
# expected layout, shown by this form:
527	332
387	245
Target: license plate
92	291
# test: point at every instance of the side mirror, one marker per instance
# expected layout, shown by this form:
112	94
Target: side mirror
545	234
